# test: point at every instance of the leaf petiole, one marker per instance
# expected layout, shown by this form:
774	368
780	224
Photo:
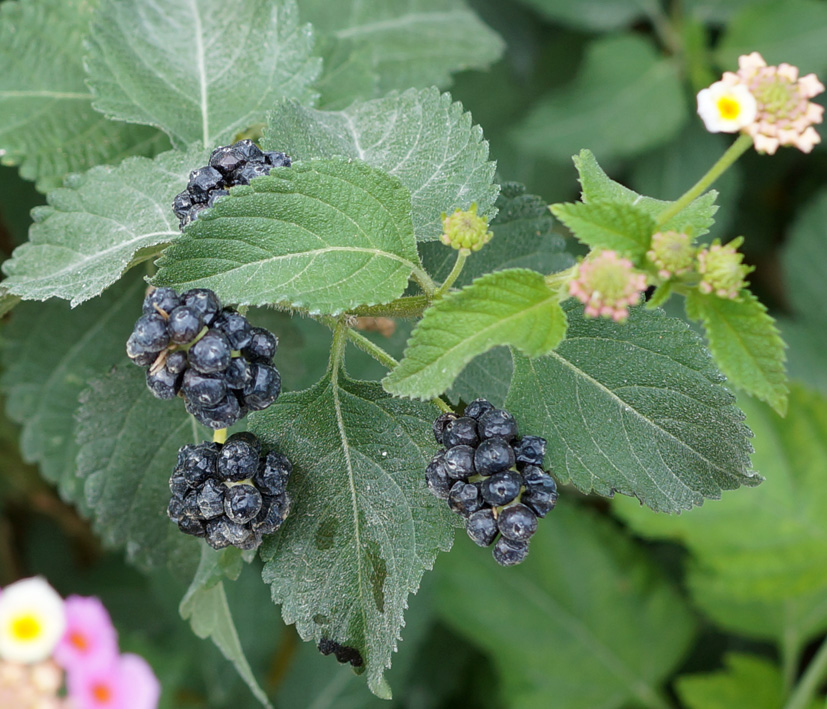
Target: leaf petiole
813	677
462	255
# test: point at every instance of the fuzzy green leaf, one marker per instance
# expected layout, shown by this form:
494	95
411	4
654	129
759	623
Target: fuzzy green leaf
326	235
487	376
49	353
745	343
97	226
694	219
609	106
769	544
364	526
410	43
749	682
203	71
513	307
523	238
47	123
586	619
421	137
592	15
636	408
620	226
205	606
126	479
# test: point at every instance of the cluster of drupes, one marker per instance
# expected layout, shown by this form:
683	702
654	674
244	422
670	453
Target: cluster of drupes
229	494
212	357
492	478
229	165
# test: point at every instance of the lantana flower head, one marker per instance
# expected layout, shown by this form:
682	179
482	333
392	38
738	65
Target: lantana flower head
607	285
90	638
671	252
721	269
31	686
785	115
127	682
465	230
32	621
727	106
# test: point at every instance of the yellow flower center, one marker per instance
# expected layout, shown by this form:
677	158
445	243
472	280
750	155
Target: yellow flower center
26	628
728	108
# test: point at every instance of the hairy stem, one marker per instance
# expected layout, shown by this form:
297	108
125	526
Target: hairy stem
815	674
426	283
735	151
409	306
462	255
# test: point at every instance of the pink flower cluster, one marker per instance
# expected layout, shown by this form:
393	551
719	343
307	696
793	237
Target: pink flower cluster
97	675
608	285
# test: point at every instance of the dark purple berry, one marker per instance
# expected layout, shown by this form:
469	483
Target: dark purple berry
211	499
204	390
262	346
176	362
536	477
214	533
190	525
226	159
464	498
530	450
178	484
274	511
250	171
239	374
203	181
184	324
502	488
136	352
481	526
162	383
200	464
238	459
440	424
211	354
214	195
189	507
459	462
439	483
193	214
538	501
499	423
517	523
493	455
149	335
182	204
162	301
248	150
228	412
233	532
477	408
174	509
461	432
277	159
273	473
242	503
235	327
507	552
202	301
264	388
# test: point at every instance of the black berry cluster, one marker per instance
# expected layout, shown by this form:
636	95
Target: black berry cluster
229	165
229	494
492	478
212	357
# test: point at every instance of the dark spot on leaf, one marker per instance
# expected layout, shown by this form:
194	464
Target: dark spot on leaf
378	574
326	533
320	619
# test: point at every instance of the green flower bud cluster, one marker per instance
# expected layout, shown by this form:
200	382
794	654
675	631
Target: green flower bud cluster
465	230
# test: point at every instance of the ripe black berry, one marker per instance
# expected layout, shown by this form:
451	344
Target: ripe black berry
538	501
239	457
493	455
440	424
273	473
264	388
536	477
530	450
517	523
482	527
202	301
176	362
273	512
184	324
150	334
211	354
182	204
497	422
204	390
203	181
459	462
211	498
262	345
502	488
226	159
189	525
239	374
477	408
242	503
460	432
236	329
225	414
464	498
436	477
508	552
163	383
161	301
250	171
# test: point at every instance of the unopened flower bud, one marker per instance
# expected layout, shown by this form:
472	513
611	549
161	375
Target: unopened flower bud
671	252
721	269
465	230
607	285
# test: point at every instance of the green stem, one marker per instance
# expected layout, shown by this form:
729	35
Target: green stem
219	436
337	348
409	306
735	151
426	283
790	656
810	681
462	255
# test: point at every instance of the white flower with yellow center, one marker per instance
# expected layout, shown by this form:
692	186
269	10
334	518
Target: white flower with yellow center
32	621
727	106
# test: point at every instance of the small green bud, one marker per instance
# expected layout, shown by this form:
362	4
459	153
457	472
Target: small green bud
465	230
721	269
671	252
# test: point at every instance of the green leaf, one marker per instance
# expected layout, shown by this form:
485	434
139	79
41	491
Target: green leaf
49	352
205	606
587	619
593	15
487	376
47	123
636	408
609	225
513	307
326	235
807	351
421	137
802	258
128	441
363	527
411	43
749	682
202	72
695	219
523	238
769	544
348	74
97	226
745	343
792	32
625	100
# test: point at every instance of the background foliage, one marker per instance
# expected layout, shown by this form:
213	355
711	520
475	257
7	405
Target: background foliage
617	606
